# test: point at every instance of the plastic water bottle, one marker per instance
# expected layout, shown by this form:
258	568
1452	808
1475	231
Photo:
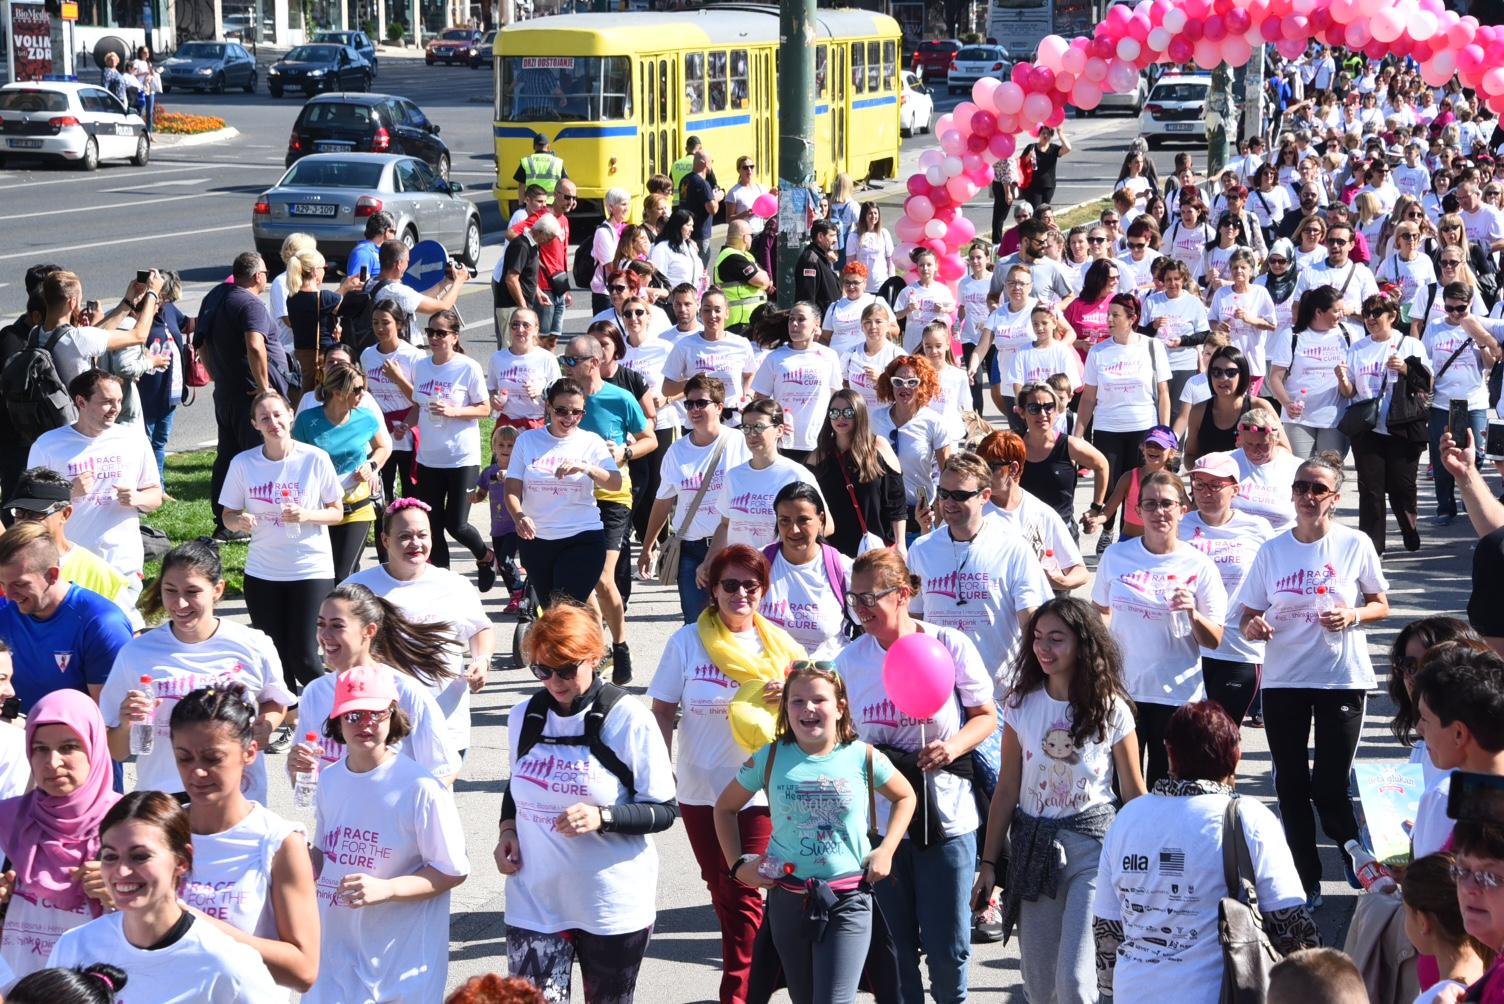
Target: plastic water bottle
1180	621
1373	875
144	734
775	868
305	783
1326	602
291	529
1050	563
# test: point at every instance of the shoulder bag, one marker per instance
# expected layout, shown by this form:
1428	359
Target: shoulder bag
668	562
1247	952
869	541
1410	408
1362	416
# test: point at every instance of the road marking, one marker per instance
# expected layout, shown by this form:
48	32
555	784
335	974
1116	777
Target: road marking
35	253
112	176
120	205
153	184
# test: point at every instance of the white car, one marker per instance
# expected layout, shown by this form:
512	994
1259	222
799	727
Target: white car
973	62
915	106
78	123
1131	102
1175	109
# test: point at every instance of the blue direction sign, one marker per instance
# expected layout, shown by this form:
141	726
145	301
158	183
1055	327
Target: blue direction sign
425	265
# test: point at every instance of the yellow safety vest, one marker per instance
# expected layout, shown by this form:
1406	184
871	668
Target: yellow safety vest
741	298
678	171
543	169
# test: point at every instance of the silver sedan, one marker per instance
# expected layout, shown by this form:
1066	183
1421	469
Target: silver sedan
331	195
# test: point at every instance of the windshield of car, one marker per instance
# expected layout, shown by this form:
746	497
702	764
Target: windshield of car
201	50
335	37
33	101
316	173
563	89
313	54
457	35
978	53
1179	92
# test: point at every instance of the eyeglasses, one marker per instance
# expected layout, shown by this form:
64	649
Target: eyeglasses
758	429
639	312
740	585
1039	407
362	717
1157	505
956	494
1208	485
1455	308
569	412
840	413
1223	372
1405	665
616	289
908	383
1110	221
1315	489
696	403
564	673
869	600
1137	245
437	332
1488	881
1015	283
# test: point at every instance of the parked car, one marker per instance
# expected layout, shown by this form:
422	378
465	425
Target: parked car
488	47
375	123
932	57
357	40
321	67
330	197
973	62
459	46
211	66
1176	109
915	106
1131	102
71	122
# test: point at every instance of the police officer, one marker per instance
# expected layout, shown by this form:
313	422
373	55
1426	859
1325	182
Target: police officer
680	168
815	279
542	167
737	273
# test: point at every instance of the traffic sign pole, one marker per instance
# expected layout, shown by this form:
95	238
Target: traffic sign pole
796	136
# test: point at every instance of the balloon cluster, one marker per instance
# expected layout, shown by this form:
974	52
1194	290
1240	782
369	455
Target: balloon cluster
1079	72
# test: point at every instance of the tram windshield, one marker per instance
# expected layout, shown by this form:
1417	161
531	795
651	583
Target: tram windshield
564	89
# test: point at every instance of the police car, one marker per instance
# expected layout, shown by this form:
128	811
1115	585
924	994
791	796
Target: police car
66	120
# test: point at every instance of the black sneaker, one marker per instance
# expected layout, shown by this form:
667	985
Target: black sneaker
225	536
280	740
621	664
485	573
987	926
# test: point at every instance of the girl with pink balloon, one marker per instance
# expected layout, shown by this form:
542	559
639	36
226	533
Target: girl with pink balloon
921	695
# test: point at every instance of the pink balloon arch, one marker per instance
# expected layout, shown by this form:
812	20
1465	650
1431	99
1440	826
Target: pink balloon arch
1078	72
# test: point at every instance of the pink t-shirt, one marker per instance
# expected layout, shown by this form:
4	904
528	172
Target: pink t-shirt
1090	322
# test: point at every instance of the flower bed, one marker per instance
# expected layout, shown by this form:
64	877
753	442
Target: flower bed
180	124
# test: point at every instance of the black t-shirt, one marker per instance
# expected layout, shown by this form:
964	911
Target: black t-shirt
308	313
631	381
521	259
1044	165
1484	611
815	279
236	311
696	195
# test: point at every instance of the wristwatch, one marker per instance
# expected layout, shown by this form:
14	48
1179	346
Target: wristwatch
736	865
606	818
1097	507
626	451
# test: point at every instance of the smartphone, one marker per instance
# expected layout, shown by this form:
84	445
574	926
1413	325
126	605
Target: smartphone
365	273
1459	425
1477	798
92	306
143	275
1494	445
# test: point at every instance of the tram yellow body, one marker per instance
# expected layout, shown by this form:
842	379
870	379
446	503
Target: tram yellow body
618	94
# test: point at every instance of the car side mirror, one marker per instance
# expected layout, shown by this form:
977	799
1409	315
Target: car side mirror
454	187
433	127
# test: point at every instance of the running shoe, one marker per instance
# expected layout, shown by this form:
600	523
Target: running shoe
621	664
485	572
987	926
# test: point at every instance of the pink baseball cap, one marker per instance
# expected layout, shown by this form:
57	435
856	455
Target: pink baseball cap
1218	465
364	688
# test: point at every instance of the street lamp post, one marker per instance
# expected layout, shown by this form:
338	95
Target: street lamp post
796	131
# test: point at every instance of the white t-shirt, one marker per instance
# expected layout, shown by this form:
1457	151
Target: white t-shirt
1251	341
973	294
276	293
236	653
729	358
856	363
1186	315
1196	390
1463	379
1041	528
1264	489
1354	291
1139	273
15	766
380	386
684	466
843	319
1188	245
1036	365
438	596
604	883
1011	332
1282	582
1417	273
282	552
76	350
1412	181
929	303
1059	777
682	267
428	745
448	442
1269	207
802	380
533	370
1311	375
407	298
746	499
1134	586
1433	827
918	440
1484	225
873	249
801	600
708	756
878	720
648	359
204	966
232	871
1368	367
1127	379
389	821
33	925
120	456
559	507
1231	548
954	398
1161	877
742	196
979	587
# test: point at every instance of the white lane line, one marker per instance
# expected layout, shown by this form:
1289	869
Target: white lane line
122	205
110	177
37	253
174	183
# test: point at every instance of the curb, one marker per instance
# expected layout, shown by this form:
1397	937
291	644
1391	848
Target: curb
196	139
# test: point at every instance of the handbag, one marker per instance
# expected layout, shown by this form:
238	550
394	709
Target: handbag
1247	952
869	540
1363	416
668	563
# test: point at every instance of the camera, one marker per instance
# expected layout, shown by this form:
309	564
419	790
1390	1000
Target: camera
143	275
1476	798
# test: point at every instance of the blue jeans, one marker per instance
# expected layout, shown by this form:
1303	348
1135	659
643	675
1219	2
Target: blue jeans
926	902
157	430
551	317
692	598
1446	485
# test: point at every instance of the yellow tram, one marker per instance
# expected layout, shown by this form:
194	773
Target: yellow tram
618	94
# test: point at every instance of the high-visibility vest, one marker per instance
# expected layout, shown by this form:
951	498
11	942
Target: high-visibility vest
543	169
678	171
741	298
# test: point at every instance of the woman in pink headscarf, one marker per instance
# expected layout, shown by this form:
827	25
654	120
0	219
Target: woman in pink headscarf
51	833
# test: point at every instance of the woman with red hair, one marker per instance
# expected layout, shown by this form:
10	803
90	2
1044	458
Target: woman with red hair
1041	527
917	432
841	327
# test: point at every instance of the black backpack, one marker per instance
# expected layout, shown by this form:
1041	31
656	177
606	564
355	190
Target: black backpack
536	717
355	318
584	261
34	395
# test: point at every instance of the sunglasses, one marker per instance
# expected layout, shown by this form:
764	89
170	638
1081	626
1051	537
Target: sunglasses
956	494
569	360
1039	407
740	585
1315	489
1406	665
22	515
1137	245
564	673
1338	242
1278	261
821	665
1157	505
362	717
616	289
1451	262
840	413
758	429
1408	237
1230	225
639	312
437	332
908	383
696	403
569	412
869	600
1455	308
1223	373
1375	313
1096	240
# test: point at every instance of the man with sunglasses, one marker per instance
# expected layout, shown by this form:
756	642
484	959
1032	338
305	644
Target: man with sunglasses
1353	281
1484	223
1051	284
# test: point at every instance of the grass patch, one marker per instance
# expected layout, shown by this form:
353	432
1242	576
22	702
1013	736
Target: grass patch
1089	213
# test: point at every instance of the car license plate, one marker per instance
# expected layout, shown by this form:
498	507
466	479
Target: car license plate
312	209
1178	126
24	144
330	146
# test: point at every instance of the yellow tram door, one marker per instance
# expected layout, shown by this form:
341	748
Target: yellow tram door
765	87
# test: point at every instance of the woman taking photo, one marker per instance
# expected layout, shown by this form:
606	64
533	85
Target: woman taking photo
1069	710
859	476
518	375
1319	669
862	366
1303	373
196	648
550	485
357	445
816	744
1387	464
801	375
842	327
388	848
704	664
1162	600
50	835
1213	424
1053	460
1246	312
807	578
252	876
675	254
870	245
389	366
926	899
917	432
289	566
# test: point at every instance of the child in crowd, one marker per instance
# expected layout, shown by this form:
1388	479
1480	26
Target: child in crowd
1316	974
491	486
1158	449
1433	923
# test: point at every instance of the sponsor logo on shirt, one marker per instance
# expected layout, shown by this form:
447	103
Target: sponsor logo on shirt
885	712
1303	582
960	585
274	492
436	388
706	672
554	773
217	899
62	659
793	616
753	504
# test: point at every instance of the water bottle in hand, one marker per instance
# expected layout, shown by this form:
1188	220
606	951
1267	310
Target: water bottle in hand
775	868
1050	563
144	734
305	783
292	529
1326	602
1373	875
1180	621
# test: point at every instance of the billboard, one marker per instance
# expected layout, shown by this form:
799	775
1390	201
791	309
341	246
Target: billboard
31	40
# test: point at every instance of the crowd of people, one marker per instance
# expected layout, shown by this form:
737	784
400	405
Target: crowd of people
836	518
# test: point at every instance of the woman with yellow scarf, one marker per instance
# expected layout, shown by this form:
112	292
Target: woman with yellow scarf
725	672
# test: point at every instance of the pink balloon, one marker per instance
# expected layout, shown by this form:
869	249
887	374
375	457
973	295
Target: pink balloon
1009	98
919	673
1235	50
1470	58
1037	108
981	177
1182	50
976	143
765	206
1043	80
1238	21
1270	30
1051	49
1213	29
1087	95
940	197
951	268
963	229
902	251
1321	19
936	246
1074	60
1208	54
1056	118
961	189
1493	82
1193	31
962	114
1460	34
1065	81
1295	26
917	185
1386	26
1096	70
983	123
1121	77
1159	40
935	230
1009	125
918	208
1002	144
972	162
982	92
1358	34
1290	48
906	229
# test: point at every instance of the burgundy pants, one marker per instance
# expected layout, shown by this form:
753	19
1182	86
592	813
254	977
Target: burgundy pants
737	907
